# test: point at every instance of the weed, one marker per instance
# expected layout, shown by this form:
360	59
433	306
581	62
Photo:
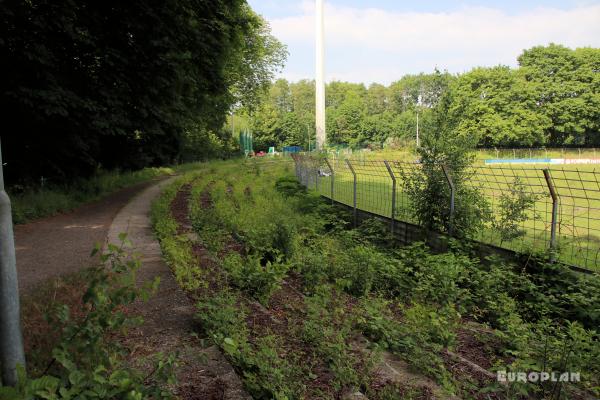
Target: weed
250	275
34	203
85	363
513	211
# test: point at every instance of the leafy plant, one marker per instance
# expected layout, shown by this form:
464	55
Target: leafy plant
419	338
87	363
513	210
250	275
328	328
266	374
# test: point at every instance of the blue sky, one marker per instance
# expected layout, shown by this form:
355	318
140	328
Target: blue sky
381	40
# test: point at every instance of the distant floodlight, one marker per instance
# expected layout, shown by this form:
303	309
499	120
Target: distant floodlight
320	78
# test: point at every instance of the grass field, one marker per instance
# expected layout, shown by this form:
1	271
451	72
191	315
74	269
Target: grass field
577	187
482	154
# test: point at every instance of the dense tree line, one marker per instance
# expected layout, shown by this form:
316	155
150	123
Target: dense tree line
551	99
109	84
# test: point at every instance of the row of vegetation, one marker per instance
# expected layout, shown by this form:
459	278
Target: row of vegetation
91	86
551	99
305	306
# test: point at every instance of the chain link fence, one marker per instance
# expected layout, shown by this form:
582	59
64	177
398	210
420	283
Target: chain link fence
564	216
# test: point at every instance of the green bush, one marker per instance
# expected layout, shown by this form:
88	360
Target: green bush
250	275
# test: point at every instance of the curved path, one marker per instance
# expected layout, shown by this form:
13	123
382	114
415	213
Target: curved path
62	244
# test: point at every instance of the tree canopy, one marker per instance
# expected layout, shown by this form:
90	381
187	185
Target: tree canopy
551	99
109	84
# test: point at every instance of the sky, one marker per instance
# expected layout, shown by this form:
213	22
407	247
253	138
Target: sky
382	40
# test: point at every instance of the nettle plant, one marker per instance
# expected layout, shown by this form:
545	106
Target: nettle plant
87	362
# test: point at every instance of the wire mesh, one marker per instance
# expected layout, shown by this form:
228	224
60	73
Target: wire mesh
579	211
500	184
370	184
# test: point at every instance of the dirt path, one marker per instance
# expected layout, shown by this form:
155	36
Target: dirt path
168	327
62	244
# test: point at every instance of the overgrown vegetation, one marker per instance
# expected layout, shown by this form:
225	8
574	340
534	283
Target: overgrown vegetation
83	359
29	203
326	288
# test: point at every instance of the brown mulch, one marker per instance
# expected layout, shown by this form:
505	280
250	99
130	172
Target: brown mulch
474	349
180	209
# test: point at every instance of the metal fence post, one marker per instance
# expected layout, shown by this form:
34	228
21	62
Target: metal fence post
296	167
332	178
354	191
303	174
11	340
317	170
452	196
554	195
393	215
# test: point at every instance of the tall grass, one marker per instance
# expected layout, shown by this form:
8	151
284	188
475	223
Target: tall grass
50	200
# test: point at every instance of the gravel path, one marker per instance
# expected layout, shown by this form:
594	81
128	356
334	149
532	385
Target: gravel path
62	244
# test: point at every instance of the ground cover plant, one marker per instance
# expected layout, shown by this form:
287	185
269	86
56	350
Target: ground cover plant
305	306
73	325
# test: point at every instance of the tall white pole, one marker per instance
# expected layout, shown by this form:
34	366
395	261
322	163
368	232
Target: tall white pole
417	127
320	78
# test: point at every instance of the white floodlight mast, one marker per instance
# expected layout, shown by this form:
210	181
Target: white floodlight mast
320	78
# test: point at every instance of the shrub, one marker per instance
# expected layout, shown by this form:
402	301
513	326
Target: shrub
513	210
250	275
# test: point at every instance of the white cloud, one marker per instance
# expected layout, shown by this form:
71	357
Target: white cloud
379	45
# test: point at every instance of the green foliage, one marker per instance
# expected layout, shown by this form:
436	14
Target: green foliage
222	317
549	347
29	203
419	338
127	87
250	275
289	186
428	187
87	363
434	278
405	299
513	210
564	85
328	328
551	99
266	374
177	249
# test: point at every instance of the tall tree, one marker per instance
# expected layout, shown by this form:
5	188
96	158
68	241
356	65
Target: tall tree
567	90
118	84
